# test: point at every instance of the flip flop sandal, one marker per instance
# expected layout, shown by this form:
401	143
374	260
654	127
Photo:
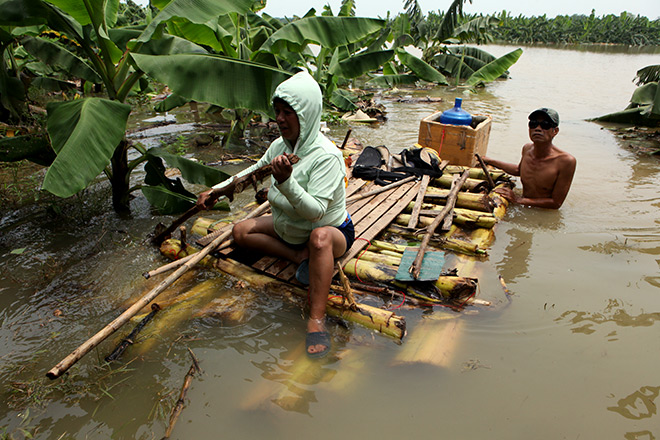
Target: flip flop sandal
318	338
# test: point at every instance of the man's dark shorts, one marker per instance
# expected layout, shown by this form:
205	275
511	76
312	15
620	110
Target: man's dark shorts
348	229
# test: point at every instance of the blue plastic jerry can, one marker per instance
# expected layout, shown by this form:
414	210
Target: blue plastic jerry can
456	115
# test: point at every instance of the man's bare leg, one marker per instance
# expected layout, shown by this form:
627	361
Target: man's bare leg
325	244
259	233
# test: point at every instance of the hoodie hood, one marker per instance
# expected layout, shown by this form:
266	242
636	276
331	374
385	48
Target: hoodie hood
304	95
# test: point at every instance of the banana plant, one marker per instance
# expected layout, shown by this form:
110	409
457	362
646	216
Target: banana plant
88	134
439	41
644	107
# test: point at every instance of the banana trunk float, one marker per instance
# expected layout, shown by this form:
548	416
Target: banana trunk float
434	341
376	319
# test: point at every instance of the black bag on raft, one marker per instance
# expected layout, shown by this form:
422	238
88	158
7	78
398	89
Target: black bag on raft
416	162
368	167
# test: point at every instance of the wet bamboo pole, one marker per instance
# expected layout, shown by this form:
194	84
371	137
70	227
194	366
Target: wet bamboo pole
130	339
177	263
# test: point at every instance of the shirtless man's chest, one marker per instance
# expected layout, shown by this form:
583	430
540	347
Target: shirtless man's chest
538	176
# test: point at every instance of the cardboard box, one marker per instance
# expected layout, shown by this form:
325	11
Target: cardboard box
456	143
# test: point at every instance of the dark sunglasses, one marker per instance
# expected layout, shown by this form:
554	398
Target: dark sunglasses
546	125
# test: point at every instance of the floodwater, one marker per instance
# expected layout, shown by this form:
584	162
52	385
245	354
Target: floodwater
573	354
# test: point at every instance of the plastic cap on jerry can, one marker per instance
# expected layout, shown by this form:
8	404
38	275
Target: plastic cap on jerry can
456	115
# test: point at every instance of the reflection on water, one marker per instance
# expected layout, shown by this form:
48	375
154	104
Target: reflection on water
638	405
614	313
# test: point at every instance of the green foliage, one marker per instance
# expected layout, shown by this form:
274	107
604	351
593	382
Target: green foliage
218	52
628	29
84	133
494	69
644	107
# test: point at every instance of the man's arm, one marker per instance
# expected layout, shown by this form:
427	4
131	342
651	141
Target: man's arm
509	168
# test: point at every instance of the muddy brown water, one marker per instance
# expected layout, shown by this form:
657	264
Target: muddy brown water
574	354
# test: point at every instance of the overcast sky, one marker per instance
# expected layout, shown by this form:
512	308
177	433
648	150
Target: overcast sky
528	8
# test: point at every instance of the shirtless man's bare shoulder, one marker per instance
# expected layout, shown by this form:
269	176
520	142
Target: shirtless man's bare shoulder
546	171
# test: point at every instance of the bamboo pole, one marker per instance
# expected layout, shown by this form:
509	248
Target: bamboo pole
489	179
476	172
109	329
417	204
447	243
416	266
130	339
471	185
176	263
461	218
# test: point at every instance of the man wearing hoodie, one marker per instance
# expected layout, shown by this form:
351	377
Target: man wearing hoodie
309	224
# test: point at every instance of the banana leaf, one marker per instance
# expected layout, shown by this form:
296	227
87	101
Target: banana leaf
638	116
103	10
218	80
167	202
22	12
389	81
360	64
84	133
191	171
646	95
172	101
155	176
167	45
648	74
55	55
421	68
328	32
494	69
198	12
343	100
52	84
209	34
36	149
34	12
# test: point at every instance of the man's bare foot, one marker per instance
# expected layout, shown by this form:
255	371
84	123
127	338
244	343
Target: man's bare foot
318	339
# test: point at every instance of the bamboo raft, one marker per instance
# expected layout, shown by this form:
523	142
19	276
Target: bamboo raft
398	210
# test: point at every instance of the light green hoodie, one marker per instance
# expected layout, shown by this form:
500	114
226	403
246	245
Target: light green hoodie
314	195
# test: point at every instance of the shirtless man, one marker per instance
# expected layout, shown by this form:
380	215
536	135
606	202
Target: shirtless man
546	171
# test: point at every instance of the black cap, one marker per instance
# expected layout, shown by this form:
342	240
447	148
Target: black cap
550	113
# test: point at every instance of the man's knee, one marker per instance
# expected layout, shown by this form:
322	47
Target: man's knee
320	238
240	231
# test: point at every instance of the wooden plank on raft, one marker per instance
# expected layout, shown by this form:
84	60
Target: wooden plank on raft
401	197
414	216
